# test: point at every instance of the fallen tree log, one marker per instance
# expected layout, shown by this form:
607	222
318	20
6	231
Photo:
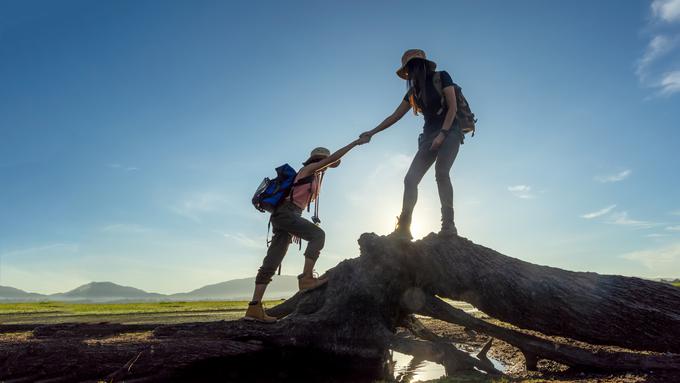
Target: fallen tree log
598	309
358	312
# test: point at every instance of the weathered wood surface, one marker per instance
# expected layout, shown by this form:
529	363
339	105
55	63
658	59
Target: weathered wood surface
599	309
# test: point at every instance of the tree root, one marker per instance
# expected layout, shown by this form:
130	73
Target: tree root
455	359
125	369
535	348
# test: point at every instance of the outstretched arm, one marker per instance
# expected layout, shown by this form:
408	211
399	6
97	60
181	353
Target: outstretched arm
330	160
390	120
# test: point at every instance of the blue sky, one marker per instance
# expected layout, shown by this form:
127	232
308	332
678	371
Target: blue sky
133	133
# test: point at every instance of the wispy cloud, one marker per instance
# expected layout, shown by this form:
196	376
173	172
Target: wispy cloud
663	260
521	191
126	168
620	176
666	10
673	228
598	213
657	67
196	205
656	235
246	241
622	218
393	162
670	83
675	212
53	248
610	216
657	47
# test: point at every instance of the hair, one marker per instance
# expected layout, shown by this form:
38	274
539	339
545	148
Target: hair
417	74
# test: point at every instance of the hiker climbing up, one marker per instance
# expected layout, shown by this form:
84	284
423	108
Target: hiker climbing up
285	197
447	118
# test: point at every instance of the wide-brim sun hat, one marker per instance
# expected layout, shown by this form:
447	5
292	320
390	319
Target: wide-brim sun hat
317	154
410	55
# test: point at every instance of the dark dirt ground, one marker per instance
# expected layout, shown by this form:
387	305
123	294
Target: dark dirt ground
510	357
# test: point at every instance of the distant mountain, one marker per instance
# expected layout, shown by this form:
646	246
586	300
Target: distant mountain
282	286
105	291
10	293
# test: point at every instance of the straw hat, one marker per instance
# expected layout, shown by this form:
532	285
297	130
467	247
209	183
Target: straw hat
316	154
410	55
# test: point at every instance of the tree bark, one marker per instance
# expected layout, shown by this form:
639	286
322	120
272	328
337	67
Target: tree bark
598	309
358	312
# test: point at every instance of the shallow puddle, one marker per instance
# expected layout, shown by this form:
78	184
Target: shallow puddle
288	365
408	369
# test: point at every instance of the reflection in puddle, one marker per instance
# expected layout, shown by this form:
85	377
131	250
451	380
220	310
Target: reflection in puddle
496	363
405	368
287	365
409	369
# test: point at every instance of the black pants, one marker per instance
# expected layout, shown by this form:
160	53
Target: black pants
422	161
286	222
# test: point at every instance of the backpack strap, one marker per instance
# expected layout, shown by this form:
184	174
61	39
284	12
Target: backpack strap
315	218
311	193
269	226
437	82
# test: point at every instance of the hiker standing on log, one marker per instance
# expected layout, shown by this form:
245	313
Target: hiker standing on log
434	95
288	224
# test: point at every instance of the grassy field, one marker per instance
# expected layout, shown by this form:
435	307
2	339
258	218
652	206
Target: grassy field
677	284
132	313
148	312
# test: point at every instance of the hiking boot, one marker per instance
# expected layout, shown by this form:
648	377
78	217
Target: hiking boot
448	226
308	283
402	230
256	313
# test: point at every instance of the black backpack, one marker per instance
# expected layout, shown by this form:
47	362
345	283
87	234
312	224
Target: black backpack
464	114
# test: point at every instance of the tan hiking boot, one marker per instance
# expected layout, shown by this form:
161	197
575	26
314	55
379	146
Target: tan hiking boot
256	313
307	283
402	229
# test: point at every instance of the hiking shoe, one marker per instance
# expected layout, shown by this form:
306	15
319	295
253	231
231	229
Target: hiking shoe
449	231
308	283
402	230
256	313
448	225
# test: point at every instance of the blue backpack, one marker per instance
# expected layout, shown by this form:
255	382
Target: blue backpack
272	192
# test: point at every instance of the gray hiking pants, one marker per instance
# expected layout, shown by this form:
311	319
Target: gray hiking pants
422	161
286	222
